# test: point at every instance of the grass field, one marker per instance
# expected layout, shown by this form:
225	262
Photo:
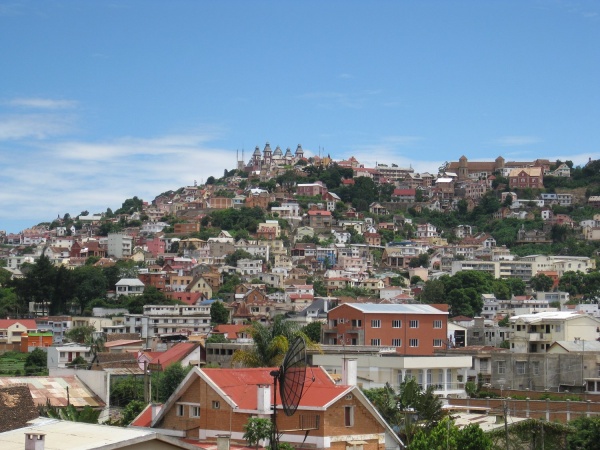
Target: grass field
12	363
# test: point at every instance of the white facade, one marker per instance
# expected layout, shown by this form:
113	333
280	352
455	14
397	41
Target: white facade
442	372
119	245
533	333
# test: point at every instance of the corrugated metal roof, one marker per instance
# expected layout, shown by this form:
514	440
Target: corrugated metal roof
55	390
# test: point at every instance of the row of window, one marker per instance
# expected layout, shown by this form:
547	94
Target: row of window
376	323
194	410
520	367
411	342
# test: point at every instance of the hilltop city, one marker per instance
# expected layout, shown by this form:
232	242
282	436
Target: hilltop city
469	285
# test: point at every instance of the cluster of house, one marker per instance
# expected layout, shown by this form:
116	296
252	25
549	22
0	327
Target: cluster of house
383	339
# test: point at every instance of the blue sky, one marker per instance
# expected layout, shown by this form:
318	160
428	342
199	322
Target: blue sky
104	100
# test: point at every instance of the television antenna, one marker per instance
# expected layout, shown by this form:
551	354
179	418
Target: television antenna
290	376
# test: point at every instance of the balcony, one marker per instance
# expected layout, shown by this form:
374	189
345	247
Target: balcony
539	337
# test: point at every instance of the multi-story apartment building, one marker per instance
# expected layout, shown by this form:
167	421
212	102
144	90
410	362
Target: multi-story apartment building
57	325
533	333
158	320
119	245
249	267
409	329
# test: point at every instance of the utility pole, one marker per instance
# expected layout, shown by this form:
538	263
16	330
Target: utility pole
506	424
146	381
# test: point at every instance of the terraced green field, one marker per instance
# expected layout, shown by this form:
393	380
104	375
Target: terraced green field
12	363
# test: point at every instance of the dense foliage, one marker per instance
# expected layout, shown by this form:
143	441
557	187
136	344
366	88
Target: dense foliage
463	290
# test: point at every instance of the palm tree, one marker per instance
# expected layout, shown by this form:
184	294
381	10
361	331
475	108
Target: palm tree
270	343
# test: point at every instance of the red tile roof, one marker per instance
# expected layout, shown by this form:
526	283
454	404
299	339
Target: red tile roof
241	385
174	354
27	323
232	331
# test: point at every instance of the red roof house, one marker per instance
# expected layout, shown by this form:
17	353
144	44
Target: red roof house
211	402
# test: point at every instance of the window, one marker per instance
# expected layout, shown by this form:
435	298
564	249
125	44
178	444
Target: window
501	367
437	342
179	410
413	342
348	416
375	323
194	411
216	405
437	324
396	342
414	324
375	341
535	367
356	323
521	367
396	324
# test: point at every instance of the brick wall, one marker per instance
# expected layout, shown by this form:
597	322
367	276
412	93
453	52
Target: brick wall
561	411
332	421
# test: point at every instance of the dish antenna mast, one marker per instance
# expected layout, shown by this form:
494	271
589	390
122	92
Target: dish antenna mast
290	376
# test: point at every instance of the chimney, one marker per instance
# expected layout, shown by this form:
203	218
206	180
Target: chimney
349	371
223	441
155	410
263	403
35	441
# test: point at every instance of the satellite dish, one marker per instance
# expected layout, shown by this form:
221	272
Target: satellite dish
290	376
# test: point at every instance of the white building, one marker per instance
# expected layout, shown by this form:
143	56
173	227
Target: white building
60	356
129	286
158	320
119	245
446	373
533	333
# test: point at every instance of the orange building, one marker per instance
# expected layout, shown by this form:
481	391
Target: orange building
411	329
36	339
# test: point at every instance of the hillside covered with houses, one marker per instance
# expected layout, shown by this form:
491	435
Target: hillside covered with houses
447	278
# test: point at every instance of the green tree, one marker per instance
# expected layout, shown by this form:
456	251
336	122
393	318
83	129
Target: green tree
131	411
78	362
587	434
80	334
270	343
85	415
218	313
233	258
313	331
385	399
541	282
433	291
257	429
126	389
217	338
36	362
170	379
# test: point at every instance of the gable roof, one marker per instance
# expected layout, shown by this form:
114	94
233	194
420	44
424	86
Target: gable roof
174	354
30	324
238	387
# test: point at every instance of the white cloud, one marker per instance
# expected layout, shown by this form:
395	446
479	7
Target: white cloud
42	103
514	141
400	150
50	178
36	126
